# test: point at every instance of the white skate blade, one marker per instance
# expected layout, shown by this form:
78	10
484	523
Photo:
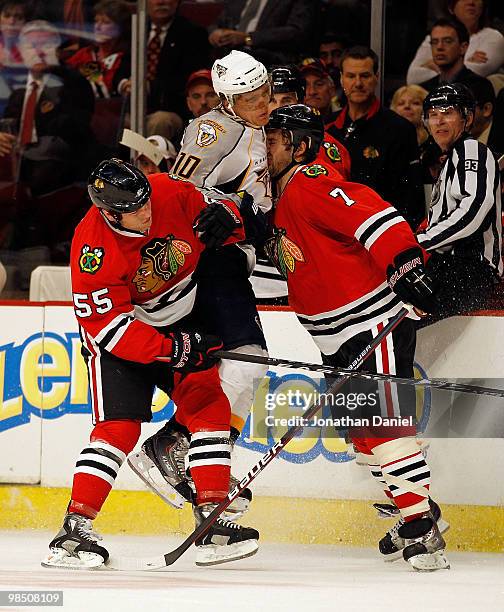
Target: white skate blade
60	558
147	471
212	554
429	563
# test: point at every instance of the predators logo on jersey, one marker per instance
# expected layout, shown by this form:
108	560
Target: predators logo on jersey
162	258
283	252
91	260
332	151
208	133
315	170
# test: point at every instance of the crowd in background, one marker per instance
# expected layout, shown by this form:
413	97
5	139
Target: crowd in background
65	84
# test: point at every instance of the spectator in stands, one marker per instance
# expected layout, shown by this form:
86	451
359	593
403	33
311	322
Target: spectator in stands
107	62
13	15
176	47
449	40
153	154
320	90
407	101
71	17
485	52
331	47
272	31
56	146
200	94
485	129
53	109
383	146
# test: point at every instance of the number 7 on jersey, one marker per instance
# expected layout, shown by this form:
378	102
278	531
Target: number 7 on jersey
339	193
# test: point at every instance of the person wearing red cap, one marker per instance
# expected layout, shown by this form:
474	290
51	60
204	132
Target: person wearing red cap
320	89
200	94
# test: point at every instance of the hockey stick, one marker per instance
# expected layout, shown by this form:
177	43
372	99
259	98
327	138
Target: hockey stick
160	561
315	367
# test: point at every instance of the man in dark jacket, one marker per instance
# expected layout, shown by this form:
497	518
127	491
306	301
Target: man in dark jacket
382	145
274	32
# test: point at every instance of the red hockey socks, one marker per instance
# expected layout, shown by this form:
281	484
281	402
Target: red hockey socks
98	464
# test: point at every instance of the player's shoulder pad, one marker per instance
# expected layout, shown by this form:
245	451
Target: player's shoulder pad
212	134
314	171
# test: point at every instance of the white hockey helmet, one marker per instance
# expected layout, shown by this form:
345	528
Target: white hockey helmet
237	73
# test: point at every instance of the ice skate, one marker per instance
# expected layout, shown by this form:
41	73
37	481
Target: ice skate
225	541
75	546
424	544
392	544
161	465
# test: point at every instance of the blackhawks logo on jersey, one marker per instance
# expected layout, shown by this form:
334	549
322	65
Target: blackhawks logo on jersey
283	252
315	170
332	151
162	258
91	260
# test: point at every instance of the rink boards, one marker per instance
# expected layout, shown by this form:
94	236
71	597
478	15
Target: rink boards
314	493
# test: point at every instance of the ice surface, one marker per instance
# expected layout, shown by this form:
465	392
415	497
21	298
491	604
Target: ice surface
279	578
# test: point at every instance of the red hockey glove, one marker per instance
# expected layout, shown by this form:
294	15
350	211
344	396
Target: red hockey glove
191	351
409	280
215	224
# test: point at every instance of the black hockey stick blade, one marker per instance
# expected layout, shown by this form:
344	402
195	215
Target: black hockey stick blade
160	561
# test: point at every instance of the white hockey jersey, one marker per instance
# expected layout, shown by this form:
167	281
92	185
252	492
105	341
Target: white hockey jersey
221	151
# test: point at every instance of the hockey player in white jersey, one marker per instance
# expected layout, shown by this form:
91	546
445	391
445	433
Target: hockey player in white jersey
224	149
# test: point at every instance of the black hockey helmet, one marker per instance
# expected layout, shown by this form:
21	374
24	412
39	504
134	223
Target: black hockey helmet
288	78
118	187
303	123
454	94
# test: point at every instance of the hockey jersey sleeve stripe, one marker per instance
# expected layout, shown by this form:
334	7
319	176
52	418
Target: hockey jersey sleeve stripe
372	300
110	335
371	224
170	297
470	198
380	230
356	320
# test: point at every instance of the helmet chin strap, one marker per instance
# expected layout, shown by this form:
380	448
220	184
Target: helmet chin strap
285	170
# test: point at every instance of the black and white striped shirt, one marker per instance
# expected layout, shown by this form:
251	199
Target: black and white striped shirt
465	213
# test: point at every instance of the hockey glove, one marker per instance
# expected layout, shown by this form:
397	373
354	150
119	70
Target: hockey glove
215	224
255	222
408	279
191	351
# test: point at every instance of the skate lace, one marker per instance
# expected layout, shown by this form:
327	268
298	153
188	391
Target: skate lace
179	454
85	530
229	524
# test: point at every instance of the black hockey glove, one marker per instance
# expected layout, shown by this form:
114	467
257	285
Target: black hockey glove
255	222
215	224
409	280
191	351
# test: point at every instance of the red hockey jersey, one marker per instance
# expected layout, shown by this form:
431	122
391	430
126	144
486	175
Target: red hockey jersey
332	153
125	283
333	242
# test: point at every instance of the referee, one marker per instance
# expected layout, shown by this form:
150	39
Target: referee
464	229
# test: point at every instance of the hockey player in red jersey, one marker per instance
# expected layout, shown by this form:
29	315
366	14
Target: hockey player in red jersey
336	243
133	257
